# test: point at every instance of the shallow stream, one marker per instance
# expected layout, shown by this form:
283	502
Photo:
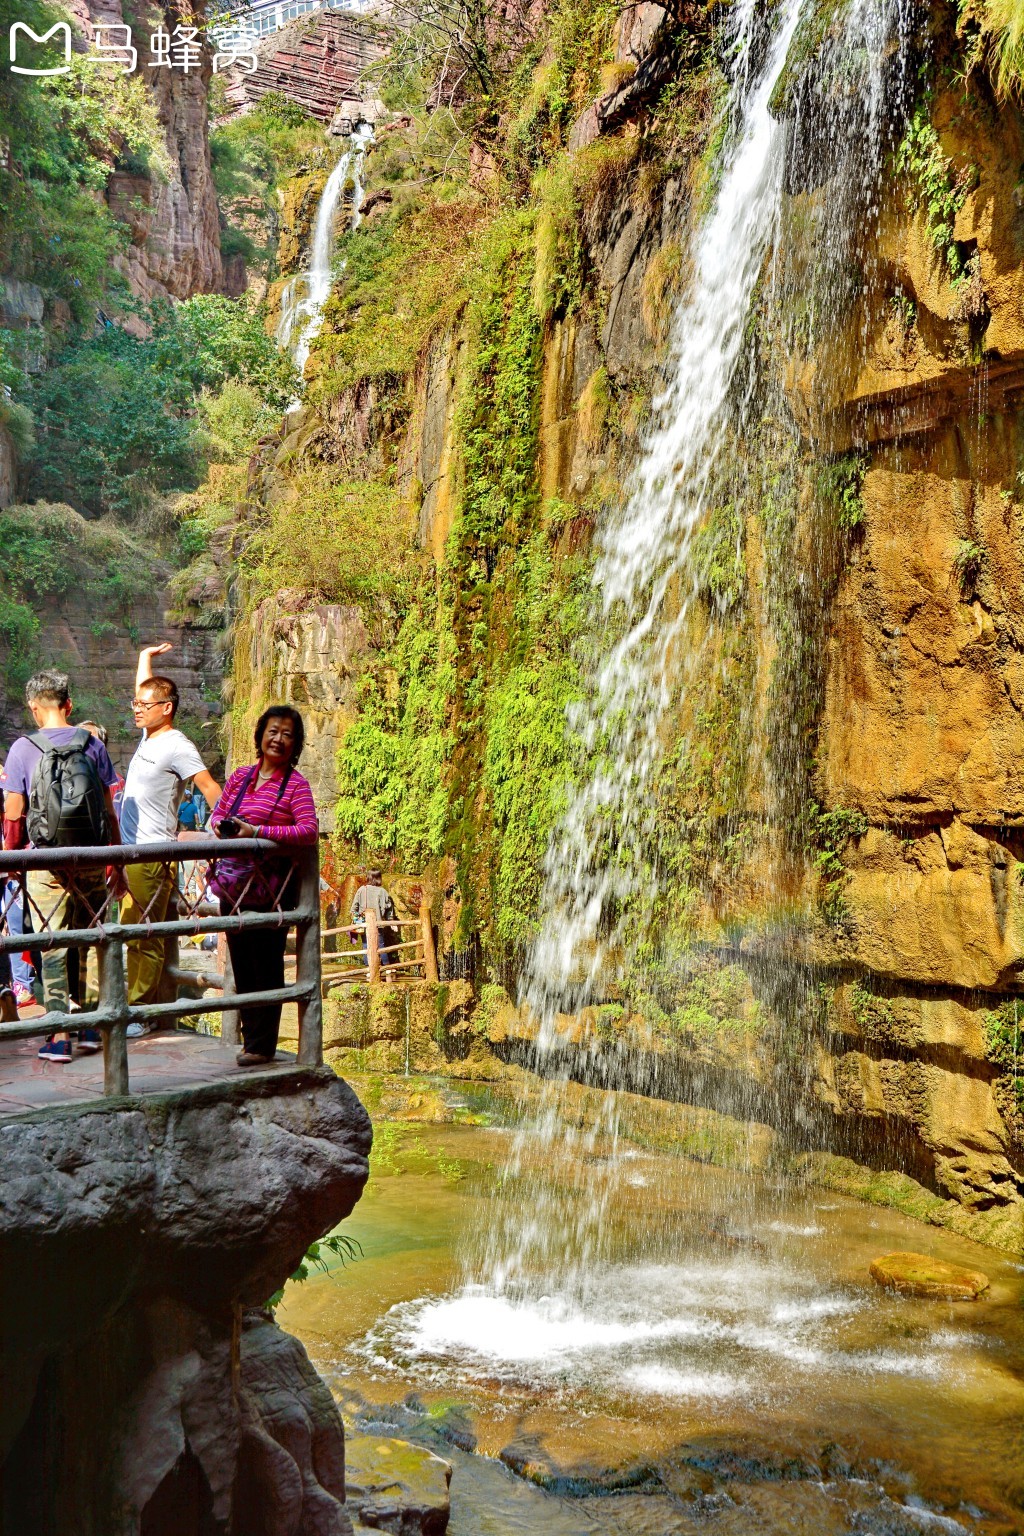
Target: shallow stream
729	1366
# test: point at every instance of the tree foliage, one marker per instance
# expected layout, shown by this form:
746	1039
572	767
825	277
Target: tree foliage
64	135
117	417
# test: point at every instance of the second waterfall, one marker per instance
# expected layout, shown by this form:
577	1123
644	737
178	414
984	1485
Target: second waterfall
304	295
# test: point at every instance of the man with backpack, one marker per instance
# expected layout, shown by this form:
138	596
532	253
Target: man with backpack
58	786
153	790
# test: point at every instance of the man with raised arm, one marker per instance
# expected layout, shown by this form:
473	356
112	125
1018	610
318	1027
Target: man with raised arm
153	787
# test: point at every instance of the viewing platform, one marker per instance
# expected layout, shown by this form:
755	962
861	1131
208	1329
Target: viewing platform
178	1058
160	1063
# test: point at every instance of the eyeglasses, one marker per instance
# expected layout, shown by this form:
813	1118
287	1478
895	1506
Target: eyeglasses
148	703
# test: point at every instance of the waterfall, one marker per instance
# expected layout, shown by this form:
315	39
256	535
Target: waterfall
597	874
304	295
599	877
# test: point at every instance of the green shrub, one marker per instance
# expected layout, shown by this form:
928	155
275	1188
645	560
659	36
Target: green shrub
120	419
20	426
110	433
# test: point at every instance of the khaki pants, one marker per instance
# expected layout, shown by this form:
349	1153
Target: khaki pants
150	888
55	906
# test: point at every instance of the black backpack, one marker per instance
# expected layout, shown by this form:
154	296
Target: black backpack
66	804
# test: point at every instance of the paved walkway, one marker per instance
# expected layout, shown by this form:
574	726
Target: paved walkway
156	1064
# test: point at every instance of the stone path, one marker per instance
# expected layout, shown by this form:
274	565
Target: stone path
156	1064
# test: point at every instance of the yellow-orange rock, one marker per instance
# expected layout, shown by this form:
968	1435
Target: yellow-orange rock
914	1274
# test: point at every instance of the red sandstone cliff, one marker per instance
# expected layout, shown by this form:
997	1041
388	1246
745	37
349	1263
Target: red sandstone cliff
175	244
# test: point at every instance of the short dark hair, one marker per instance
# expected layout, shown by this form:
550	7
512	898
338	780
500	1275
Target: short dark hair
49	687
167	691
281	712
374	876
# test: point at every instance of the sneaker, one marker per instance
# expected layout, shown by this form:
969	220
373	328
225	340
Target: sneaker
136	1031
23	996
89	1040
55	1050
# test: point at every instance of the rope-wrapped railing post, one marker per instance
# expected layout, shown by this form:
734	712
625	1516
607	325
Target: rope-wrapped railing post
230	1019
372	946
427	938
307	960
113	1002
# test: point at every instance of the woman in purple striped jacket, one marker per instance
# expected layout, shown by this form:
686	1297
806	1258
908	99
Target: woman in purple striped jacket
271	799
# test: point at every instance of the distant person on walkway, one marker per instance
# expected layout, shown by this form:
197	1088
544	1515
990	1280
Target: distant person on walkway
372	897
271	799
193	813
58	794
153	788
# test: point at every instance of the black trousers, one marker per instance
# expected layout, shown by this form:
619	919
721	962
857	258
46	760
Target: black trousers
257	959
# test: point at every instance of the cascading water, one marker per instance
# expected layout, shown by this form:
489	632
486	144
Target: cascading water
598	869
557	1264
304	295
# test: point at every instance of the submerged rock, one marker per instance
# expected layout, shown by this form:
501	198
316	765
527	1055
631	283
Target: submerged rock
394	1486
915	1274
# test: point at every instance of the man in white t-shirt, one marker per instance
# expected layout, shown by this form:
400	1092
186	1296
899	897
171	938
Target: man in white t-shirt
153	789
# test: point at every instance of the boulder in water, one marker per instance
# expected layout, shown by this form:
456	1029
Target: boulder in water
915	1274
391	1485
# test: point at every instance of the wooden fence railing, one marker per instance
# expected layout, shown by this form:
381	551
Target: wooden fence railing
370	960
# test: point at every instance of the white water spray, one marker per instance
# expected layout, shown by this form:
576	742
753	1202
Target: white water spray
304	295
598	876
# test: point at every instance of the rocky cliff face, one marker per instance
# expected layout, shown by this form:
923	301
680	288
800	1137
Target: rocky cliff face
175	231
855	900
921	727
160	1400
317	62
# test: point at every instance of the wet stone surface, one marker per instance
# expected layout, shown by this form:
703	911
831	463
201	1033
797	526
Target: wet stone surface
915	1274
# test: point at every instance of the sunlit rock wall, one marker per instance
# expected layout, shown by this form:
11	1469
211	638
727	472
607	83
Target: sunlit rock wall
884	989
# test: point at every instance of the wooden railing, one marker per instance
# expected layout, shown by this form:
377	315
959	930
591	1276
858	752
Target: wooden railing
374	962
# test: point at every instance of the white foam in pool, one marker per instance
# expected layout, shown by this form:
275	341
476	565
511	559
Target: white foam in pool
688	1331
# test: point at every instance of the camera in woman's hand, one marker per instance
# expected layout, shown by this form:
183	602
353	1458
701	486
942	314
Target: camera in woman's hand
230	827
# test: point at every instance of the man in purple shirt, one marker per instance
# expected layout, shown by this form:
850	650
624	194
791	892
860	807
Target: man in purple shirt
48	697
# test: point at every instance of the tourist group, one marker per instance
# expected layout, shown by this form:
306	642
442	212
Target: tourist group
60	789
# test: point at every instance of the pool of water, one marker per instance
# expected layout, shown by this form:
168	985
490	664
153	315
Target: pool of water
726	1363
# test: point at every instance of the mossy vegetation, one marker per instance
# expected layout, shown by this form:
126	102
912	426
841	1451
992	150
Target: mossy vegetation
936	184
1004	1042
829	834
